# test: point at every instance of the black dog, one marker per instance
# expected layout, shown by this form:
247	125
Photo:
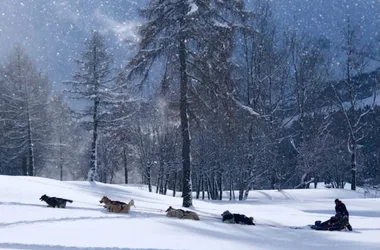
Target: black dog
237	218
54	201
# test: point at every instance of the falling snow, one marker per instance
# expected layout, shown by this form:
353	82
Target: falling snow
54	31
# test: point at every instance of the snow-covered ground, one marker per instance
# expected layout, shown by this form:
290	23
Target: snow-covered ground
26	222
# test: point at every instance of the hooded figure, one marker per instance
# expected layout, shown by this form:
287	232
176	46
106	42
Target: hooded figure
341	209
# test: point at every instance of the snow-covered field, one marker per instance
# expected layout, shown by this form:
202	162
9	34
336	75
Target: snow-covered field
26	222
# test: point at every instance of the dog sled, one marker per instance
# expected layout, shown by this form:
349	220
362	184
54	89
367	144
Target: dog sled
335	223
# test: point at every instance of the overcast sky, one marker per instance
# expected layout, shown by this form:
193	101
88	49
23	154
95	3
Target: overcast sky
53	31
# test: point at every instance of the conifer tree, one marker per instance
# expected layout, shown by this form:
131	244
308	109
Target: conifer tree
92	84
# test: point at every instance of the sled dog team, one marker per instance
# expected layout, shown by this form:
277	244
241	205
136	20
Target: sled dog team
336	223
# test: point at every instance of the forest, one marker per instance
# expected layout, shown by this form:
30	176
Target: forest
214	98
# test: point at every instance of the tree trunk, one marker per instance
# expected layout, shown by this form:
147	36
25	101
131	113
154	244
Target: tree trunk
246	192
186	165
241	193
353	164
273	181
31	167
125	166
161	178
212	188
61	171
231	186
174	183
203	186
198	186
166	183
93	167
161	191
112	175
148	176
208	189
157	185
241	186
220	185
24	166
60	159
215	187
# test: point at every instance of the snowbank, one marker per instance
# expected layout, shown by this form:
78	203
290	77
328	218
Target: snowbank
26	222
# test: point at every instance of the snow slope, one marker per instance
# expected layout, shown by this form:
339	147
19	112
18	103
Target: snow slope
26	223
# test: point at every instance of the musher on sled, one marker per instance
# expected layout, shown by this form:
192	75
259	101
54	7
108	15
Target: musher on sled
337	222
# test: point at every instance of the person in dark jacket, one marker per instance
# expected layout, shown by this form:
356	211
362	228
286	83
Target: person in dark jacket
341	209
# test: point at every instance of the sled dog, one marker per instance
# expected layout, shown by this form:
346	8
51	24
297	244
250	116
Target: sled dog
236	218
120	208
55	201
181	214
107	202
